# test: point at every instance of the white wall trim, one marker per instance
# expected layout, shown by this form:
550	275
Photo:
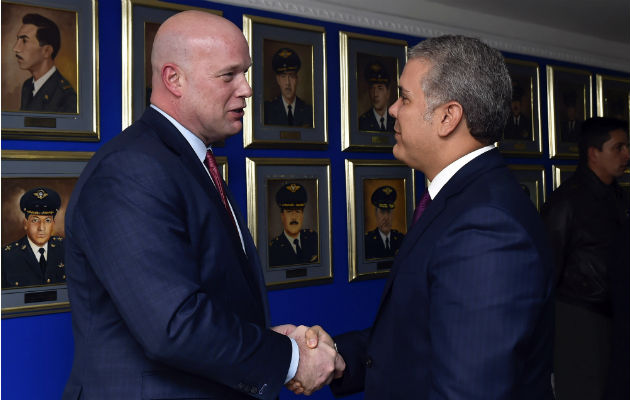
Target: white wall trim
539	41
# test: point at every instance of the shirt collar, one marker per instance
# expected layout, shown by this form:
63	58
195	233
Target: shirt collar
286	109
36	248
197	144
42	79
378	117
447	173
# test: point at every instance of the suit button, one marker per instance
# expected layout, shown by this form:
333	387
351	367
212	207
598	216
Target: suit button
48	280
368	362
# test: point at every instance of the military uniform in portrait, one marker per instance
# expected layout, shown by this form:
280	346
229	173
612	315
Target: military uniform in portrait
281	251
20	266
55	95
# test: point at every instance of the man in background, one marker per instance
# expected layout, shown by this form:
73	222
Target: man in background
376	118
168	298
294	245
383	241
37	258
287	109
587	220
38	42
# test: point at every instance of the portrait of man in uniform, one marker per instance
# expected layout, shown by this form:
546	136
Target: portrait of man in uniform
384	217
39	70
375	93
518	125
37	258
288	87
297	242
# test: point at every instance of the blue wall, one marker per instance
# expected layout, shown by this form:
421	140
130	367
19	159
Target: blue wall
37	351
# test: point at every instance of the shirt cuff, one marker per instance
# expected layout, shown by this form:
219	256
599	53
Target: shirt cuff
295	360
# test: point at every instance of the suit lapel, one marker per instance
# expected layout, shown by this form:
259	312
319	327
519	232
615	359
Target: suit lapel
464	177
174	140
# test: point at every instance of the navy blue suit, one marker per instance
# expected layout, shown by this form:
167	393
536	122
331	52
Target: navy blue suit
165	302
466	312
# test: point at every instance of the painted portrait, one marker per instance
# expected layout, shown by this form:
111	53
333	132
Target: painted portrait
384	217
288	84
376	90
292	215
33	211
39	59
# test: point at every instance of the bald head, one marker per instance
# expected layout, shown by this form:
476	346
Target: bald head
199	60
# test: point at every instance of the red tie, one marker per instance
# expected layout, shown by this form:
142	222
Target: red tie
213	168
424	202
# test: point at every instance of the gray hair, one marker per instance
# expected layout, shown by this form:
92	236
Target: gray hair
465	70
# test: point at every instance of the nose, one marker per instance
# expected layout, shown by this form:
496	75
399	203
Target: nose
245	90
393	109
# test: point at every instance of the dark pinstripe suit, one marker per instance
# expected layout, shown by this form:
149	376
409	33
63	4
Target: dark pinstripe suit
467	310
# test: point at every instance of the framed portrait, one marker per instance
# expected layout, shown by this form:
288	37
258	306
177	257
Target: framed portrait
532	181
613	97
288	210
569	103
140	22
35	180
289	84
49	70
561	173
522	132
380	197
370	67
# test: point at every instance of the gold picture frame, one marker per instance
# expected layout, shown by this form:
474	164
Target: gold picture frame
66	106
303	48
272	181
390	186
368	64
22	170
569	104
522	133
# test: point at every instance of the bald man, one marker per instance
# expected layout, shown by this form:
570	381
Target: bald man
178	308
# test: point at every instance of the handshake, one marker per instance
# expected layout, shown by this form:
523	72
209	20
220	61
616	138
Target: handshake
319	361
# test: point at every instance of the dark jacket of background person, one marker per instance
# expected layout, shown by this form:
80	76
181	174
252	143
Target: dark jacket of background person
585	217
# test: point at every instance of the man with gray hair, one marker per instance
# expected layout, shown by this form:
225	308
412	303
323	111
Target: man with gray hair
466	312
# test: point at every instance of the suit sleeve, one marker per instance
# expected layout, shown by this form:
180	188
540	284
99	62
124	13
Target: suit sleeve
489	293
353	348
132	224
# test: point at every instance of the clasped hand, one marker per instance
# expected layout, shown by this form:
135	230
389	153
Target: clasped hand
319	361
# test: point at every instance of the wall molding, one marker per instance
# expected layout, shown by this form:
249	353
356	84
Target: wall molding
566	46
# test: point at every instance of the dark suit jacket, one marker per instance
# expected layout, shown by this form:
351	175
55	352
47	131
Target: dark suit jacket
275	113
20	266
55	95
368	122
281	251
518	131
466	312
165	302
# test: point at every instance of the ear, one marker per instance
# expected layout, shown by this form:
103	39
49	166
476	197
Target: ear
47	50
450	115
173	79
592	155
25	224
